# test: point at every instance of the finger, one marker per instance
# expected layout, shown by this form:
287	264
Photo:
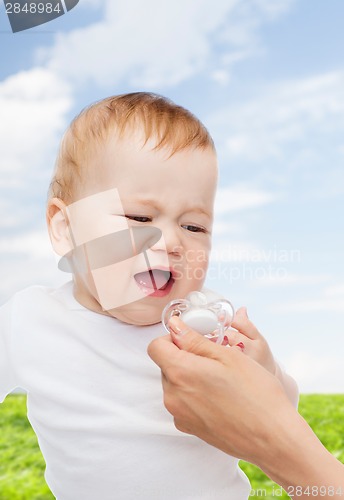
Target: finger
244	325
234	337
190	340
163	352
240	346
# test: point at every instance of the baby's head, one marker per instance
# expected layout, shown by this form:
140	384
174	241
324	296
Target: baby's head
130	205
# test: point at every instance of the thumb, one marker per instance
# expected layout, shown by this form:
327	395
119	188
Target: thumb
242	323
191	341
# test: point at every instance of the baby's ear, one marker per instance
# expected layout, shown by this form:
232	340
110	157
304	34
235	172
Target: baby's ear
58	227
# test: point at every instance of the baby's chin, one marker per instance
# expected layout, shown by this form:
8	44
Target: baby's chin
136	316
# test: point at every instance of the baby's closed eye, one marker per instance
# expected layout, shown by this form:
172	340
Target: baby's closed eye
139	218
194	229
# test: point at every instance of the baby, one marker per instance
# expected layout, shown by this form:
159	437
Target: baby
130	212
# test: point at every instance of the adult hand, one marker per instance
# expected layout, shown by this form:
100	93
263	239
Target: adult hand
255	346
230	401
245	334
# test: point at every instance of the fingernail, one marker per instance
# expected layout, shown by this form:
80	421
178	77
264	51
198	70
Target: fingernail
175	327
241	345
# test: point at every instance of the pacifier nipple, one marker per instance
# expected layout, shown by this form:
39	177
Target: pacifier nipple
201	320
197	299
208	318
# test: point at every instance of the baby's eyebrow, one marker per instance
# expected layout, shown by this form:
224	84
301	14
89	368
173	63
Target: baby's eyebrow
145	201
152	203
199	210
139	201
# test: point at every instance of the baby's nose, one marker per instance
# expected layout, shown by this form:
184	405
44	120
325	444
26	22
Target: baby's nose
169	241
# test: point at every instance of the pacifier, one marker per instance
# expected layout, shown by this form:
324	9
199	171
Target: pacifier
207	316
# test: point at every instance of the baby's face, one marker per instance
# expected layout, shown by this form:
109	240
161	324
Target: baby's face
143	224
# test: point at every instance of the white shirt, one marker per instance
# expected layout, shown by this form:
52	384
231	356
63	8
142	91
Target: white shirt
95	402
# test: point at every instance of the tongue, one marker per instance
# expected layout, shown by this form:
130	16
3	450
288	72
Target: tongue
154	279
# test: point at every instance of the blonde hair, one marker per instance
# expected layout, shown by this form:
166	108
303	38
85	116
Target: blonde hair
170	125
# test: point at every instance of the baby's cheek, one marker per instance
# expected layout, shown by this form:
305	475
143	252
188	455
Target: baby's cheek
198	258
199	269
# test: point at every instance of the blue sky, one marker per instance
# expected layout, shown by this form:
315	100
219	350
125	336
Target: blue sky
267	78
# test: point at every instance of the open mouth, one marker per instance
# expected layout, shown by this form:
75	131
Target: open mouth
154	280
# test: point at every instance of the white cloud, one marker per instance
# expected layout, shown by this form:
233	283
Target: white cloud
220	76
317	305
335	290
91	3
235	251
151	45
317	373
289	113
34	244
290	279
241	197
275	8
232	244
8	218
224	228
23	271
33	106
27	259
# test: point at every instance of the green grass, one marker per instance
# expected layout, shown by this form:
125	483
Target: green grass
22	465
325	414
